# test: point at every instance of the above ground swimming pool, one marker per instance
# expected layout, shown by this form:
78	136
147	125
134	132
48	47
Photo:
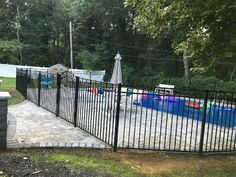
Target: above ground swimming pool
224	116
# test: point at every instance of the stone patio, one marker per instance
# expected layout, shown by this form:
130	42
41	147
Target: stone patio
33	126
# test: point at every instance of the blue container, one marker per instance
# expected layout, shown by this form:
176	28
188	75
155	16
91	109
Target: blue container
218	115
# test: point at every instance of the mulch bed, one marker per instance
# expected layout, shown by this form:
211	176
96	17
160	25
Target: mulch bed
20	166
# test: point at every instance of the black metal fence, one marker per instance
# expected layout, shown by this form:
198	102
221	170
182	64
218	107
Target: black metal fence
162	119
96	109
87	104
22	77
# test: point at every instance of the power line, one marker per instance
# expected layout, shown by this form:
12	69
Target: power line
156	59
127	46
134	47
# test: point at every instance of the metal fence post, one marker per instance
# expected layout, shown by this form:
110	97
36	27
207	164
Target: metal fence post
25	83
58	94
17	78
203	122
29	75
39	87
90	78
117	118
76	101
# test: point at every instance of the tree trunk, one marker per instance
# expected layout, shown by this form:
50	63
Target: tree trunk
186	65
20	50
54	51
232	74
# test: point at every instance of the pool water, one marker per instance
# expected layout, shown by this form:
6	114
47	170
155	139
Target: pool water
218	115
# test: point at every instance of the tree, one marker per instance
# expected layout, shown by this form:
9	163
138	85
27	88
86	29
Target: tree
39	33
8	45
8	51
203	31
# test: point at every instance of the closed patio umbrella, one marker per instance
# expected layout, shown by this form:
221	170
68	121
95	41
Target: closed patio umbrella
117	75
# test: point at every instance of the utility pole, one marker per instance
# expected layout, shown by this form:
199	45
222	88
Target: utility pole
71	47
18	26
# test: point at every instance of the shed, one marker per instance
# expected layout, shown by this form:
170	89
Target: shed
58	68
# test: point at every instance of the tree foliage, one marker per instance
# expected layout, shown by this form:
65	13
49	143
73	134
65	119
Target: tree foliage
204	30
34	32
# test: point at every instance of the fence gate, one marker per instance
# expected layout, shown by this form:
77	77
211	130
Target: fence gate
48	91
97	109
66	97
22	78
33	87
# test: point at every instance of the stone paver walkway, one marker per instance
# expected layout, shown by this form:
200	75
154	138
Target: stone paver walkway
32	126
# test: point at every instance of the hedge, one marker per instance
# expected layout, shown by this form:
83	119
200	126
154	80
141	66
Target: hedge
197	82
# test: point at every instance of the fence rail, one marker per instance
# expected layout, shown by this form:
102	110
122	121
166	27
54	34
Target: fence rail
182	120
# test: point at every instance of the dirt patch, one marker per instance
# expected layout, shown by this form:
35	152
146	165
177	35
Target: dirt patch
91	162
154	163
15	166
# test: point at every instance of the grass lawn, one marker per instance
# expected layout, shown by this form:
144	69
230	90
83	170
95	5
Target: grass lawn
9	85
121	163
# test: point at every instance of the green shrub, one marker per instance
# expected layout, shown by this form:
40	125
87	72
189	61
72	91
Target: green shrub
202	83
197	82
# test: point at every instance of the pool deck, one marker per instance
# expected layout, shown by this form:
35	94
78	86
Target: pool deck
152	129
33	126
146	128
